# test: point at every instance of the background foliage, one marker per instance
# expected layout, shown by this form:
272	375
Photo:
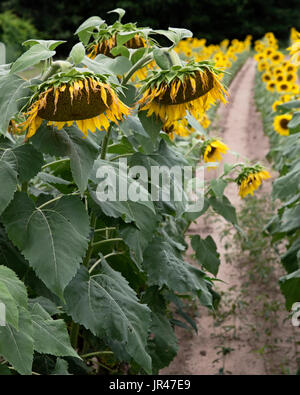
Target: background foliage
14	31
212	19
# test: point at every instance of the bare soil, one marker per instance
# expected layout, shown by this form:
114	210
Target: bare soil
251	333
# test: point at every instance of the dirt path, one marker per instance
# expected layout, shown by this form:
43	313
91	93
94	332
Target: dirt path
240	340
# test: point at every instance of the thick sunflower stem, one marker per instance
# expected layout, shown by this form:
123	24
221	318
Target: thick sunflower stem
74	335
138	65
105	144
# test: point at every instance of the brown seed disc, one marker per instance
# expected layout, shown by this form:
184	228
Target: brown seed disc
135	42
83	106
200	90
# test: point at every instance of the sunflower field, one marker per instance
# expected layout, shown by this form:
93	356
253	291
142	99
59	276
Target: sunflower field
99	286
278	99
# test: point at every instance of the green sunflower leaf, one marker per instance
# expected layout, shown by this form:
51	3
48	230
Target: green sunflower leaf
28	161
16	346
14	92
53	238
206	253
105	304
11	308
69	142
224	207
165	267
31	57
48	44
163	346
15	286
61	368
77	53
50	336
8	177
290	287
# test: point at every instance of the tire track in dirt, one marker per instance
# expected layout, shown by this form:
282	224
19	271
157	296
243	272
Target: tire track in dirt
241	129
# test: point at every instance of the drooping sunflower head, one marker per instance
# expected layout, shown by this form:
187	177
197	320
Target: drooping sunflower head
281	124
180	128
13	128
82	97
107	38
212	150
250	178
193	87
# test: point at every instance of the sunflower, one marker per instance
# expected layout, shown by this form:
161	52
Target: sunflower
281	124
259	57
250	179
291	68
295	89
109	41
271	86
277	57
277	70
283	87
279	78
85	98
276	104
269	52
193	87
291	77
205	122
213	150
285	98
263	66
180	128
13	128
267	77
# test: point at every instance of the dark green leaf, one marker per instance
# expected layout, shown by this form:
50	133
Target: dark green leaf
163	345
224	208
50	336
218	186
8	178
105	304
61	368
290	287
53	239
69	142
31	57
206	253
16	346
13	96
165	266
